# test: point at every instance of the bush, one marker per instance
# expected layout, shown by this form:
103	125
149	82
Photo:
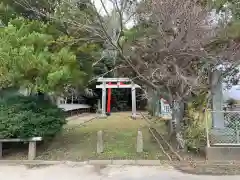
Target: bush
195	137
194	130
25	117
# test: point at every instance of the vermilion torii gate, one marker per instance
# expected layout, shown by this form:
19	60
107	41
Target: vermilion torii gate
117	83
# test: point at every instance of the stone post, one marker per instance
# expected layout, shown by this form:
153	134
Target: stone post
1	150
99	142
139	142
32	150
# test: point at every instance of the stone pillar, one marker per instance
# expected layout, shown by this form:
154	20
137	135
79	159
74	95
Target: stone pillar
134	109
99	142
217	101
32	150
139	142
104	99
1	150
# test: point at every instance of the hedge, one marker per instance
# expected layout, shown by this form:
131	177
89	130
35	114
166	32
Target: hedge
31	116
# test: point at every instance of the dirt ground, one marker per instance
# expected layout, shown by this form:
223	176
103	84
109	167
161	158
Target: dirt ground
89	172
75	120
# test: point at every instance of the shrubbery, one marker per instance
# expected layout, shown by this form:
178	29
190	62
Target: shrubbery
194	132
24	117
195	137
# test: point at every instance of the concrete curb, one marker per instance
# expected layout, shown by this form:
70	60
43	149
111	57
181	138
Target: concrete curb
117	162
29	162
89	162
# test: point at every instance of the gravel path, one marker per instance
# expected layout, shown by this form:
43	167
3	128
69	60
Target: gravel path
89	172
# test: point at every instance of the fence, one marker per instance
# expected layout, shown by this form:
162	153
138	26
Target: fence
226	130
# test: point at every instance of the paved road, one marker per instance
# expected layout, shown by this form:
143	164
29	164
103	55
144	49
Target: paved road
88	172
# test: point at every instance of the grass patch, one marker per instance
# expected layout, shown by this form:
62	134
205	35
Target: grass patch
79	142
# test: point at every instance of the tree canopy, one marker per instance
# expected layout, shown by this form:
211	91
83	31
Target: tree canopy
22	8
28	58
61	35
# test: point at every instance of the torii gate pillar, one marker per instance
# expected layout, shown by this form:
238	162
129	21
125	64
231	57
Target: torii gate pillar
104	90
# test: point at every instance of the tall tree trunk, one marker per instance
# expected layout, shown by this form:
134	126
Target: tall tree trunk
150	103
175	125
